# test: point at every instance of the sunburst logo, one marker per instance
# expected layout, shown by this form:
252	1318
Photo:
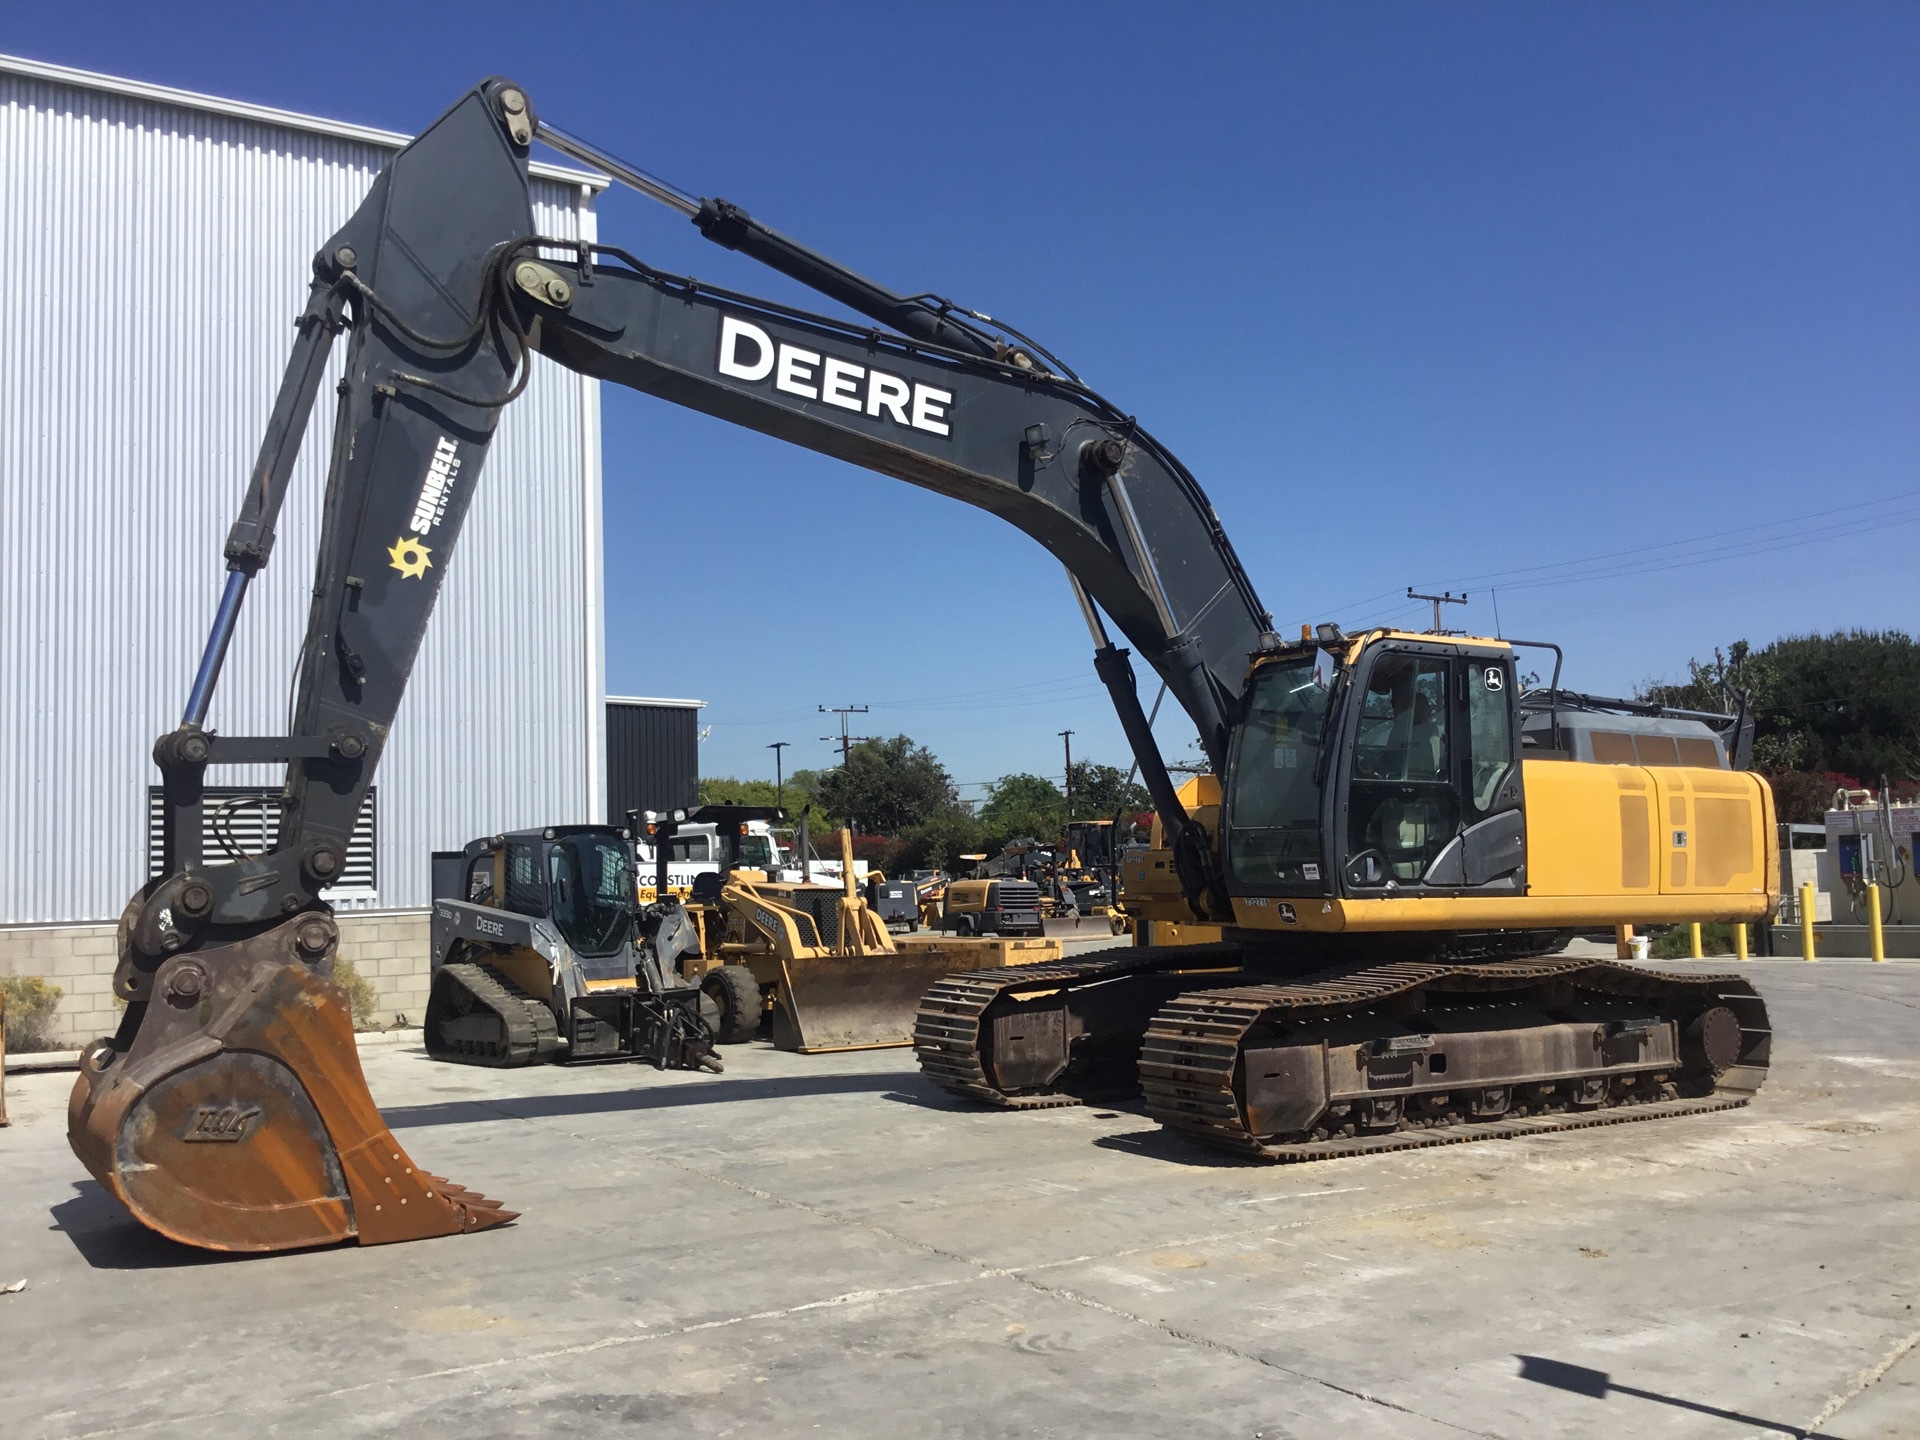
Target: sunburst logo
410	557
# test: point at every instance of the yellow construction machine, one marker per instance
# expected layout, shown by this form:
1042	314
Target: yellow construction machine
826	972
1402	845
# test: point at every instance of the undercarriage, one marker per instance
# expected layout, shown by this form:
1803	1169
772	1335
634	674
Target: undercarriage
1352	1056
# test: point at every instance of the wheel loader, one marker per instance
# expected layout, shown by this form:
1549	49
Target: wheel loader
1388	871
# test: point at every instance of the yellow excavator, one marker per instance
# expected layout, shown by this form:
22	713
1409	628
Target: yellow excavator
1405	844
1390	871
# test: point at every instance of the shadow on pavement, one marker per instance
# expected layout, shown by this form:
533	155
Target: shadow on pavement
1598	1385
1158	1144
665	1097
108	1238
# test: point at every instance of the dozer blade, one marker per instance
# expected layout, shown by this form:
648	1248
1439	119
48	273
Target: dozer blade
869	1002
230	1112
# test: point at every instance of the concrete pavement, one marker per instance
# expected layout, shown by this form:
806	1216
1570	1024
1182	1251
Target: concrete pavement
826	1244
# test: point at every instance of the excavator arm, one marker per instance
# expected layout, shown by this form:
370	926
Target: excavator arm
229	1110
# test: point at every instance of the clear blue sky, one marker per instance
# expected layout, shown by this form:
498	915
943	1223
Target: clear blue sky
1610	310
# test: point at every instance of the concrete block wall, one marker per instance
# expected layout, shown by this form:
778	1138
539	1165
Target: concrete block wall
388	947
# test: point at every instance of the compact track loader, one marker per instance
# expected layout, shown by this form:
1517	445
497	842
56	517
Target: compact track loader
1388	884
542	951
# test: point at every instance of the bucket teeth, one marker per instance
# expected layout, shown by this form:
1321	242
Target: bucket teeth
486	1214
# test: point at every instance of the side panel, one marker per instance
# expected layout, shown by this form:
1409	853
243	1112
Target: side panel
1590	829
1714	837
1600	852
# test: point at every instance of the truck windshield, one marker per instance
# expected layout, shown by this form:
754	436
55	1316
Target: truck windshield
1273	793
591	892
756	852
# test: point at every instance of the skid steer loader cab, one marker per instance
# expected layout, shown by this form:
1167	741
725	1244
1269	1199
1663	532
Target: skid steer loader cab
543	952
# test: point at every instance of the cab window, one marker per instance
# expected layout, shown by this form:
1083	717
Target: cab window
1489	733
689	847
1402	805
1274	798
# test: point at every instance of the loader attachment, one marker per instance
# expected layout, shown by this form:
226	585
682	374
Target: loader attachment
869	1002
230	1112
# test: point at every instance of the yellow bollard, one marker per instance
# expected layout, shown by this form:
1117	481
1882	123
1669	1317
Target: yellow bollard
1878	941
1806	922
1740	940
1693	932
1623	942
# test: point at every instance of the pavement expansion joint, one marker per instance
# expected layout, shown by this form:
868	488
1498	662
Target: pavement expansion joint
1862	1382
1207	1342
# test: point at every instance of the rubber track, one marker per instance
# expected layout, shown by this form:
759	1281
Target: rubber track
531	1031
1188	1062
946	1032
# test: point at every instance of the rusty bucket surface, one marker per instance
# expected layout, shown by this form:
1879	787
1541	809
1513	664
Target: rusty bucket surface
231	1112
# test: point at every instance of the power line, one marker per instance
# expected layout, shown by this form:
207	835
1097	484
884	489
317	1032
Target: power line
1825	513
1645	552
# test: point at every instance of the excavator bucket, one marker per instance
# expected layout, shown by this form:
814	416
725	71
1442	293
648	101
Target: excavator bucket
230	1112
869	1002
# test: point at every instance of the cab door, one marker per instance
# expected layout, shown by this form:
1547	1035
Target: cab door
1430	797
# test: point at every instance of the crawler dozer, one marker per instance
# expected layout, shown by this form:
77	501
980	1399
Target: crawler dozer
1370	918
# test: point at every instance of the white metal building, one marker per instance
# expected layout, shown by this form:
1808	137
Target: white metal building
158	246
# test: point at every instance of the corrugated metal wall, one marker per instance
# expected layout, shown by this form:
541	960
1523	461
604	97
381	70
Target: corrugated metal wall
653	757
157	255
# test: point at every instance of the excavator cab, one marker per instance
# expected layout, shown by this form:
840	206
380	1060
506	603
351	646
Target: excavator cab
1388	768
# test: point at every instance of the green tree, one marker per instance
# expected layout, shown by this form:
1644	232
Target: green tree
802	788
938	842
1022	805
1100	790
887	785
1828	710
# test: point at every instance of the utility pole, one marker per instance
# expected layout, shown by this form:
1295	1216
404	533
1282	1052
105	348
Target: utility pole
779	784
1067	736
1438	600
846	740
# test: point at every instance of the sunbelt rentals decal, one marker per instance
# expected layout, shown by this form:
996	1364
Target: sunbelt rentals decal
407	554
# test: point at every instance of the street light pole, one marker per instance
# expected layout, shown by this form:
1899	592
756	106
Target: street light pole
779	784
